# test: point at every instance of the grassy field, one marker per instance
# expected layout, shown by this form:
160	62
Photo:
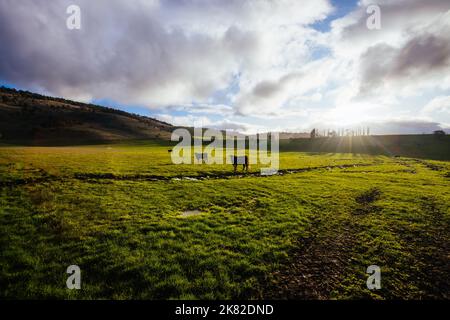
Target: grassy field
140	227
425	146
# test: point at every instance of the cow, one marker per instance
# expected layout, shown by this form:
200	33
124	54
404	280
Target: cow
235	160
201	157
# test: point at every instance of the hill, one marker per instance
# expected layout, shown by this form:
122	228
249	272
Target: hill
418	146
31	118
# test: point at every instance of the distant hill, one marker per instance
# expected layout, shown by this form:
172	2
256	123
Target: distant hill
418	146
31	118
293	135
289	135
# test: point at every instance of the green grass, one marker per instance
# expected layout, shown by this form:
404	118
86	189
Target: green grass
426	146
254	236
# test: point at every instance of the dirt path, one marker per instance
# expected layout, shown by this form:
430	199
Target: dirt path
141	177
323	258
317	266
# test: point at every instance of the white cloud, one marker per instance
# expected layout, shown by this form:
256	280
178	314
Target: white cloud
176	55
438	108
438	104
155	53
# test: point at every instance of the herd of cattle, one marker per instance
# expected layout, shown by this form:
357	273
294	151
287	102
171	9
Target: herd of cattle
235	160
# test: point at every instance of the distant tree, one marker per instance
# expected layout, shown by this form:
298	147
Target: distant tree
313	134
439	133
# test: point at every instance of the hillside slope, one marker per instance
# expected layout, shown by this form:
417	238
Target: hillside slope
417	146
35	119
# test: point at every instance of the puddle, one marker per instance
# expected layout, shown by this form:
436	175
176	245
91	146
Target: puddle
190	213
190	179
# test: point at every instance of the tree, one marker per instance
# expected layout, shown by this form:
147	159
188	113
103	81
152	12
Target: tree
439	133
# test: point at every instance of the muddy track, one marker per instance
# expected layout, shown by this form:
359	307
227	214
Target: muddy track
432	266
86	176
28	181
428	165
411	168
323	257
140	177
317	266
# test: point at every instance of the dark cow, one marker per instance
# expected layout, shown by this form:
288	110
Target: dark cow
235	160
201	157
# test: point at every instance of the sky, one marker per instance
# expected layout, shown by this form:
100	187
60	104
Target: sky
246	65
